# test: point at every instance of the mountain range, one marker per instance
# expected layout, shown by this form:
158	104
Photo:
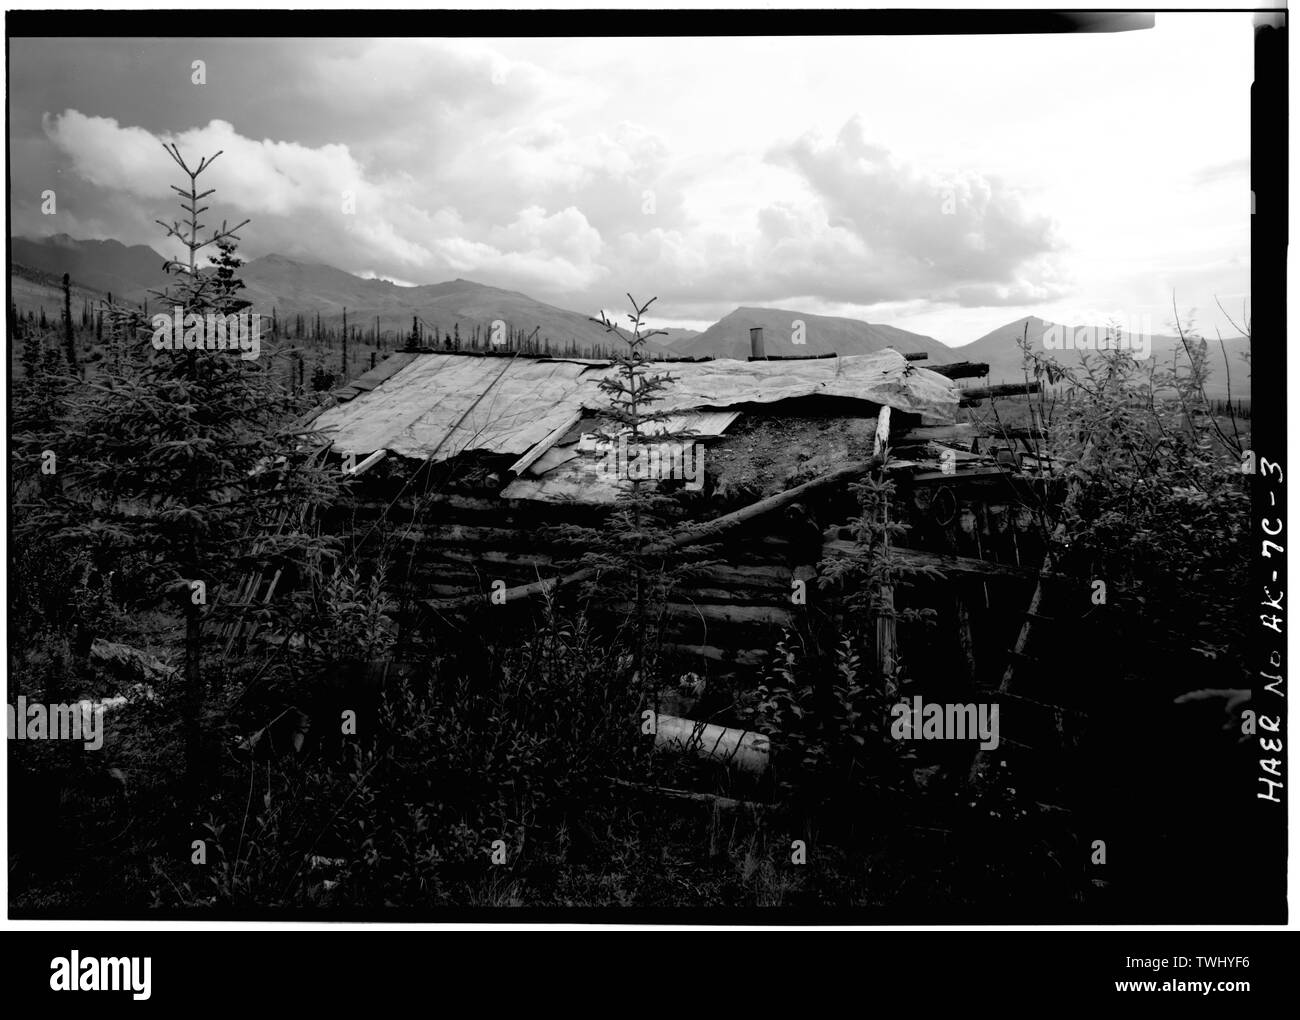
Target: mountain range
292	287
1000	349
789	333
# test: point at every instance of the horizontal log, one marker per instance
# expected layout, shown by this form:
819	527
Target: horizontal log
963	433
689	634
432	554
699	535
450	590
450	573
1017	432
487	509
745	573
915	560
548	542
739	656
724	581
743	749
962	369
1001	390
470	534
690	594
793	357
724	614
961	460
447	499
972	473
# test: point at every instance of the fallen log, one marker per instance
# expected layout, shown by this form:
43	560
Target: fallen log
743	749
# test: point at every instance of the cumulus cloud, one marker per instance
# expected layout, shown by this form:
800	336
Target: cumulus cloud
917	234
300	196
557	168
535	207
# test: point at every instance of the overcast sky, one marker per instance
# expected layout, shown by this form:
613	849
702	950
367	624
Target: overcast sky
946	185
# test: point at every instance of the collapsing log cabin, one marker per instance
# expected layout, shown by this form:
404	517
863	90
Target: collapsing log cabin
469	462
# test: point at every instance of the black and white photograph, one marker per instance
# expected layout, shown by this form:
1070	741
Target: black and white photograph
788	468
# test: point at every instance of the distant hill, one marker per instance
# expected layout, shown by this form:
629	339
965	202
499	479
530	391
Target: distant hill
292	287
109	267
1001	350
677	336
822	334
34	289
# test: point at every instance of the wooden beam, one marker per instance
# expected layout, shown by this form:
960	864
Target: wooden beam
741	657
723	614
1001	390
962	369
974	473
555	435
792	357
962	432
1018	432
919	560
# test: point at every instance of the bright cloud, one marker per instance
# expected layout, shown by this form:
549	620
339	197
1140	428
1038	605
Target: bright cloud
942	184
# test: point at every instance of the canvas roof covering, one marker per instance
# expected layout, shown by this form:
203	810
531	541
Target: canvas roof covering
885	377
438	405
441	405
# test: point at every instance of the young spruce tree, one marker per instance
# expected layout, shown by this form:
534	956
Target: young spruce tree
184	462
628	551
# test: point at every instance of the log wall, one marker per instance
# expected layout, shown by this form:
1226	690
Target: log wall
457	538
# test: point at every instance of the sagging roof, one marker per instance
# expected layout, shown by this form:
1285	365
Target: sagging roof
433	406
441	405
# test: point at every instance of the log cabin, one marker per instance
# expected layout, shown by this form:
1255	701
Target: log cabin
468	464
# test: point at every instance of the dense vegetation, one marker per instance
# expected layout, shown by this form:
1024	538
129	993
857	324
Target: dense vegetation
294	748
